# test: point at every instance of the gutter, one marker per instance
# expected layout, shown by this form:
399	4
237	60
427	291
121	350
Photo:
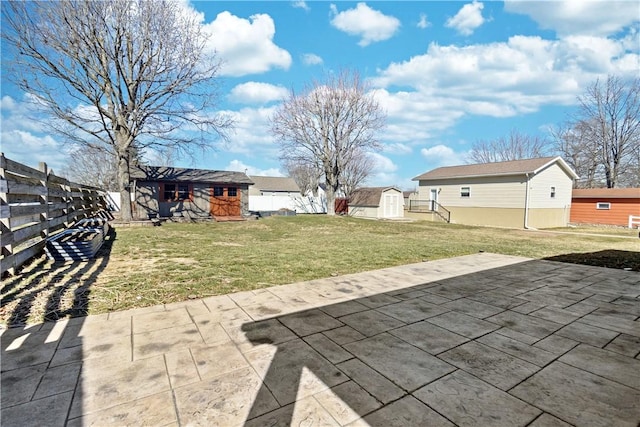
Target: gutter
526	203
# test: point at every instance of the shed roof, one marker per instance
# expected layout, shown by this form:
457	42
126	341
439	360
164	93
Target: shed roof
166	173
368	196
515	167
275	183
606	193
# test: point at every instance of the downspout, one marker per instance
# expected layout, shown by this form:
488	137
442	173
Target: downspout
526	203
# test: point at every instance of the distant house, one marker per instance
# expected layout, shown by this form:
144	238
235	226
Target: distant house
612	206
189	193
409	196
532	193
376	202
273	193
273	186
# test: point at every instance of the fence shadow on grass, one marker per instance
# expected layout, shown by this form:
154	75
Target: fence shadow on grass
41	363
58	290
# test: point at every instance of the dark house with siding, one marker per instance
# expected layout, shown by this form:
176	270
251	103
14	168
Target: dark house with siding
164	192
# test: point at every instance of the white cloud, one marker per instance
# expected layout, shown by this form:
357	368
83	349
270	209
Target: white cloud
257	93
423	22
31	149
397	148
246	45
467	19
251	134
441	155
497	79
311	59
384	172
300	4
369	24
239	166
573	17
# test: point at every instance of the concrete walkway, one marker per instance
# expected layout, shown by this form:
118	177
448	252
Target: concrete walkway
477	340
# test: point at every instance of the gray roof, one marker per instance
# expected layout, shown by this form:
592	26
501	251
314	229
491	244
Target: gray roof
606	193
165	173
368	196
275	183
515	167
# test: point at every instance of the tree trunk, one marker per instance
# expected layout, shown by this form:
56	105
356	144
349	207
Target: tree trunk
125	187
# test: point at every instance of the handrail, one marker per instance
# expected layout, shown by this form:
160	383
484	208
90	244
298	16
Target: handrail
430	206
442	211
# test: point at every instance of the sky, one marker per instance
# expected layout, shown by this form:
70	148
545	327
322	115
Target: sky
446	73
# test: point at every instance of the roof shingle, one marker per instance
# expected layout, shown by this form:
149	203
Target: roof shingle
165	173
606	193
515	167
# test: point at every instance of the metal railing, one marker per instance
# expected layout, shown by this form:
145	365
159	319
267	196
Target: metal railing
430	206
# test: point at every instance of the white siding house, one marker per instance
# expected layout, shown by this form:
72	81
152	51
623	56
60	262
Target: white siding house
532	193
377	202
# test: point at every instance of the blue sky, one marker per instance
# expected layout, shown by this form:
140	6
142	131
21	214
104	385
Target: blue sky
446	73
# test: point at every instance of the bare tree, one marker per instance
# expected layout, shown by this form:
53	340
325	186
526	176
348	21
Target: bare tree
119	73
95	166
326	124
609	118
581	153
515	146
306	175
356	172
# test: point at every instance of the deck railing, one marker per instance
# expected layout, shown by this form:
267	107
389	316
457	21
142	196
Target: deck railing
430	206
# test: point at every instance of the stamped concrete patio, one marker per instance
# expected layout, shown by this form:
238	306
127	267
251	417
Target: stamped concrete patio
477	340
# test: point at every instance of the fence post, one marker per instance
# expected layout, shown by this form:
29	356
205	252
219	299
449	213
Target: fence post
5	218
44	199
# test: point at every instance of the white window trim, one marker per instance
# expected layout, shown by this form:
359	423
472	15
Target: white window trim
468	192
600	206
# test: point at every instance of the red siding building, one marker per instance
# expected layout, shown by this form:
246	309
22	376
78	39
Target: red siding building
611	206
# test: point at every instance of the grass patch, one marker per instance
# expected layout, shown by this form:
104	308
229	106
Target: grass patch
175	262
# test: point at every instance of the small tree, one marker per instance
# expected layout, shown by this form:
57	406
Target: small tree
307	176
515	146
356	172
609	119
580	152
123	73
94	166
325	125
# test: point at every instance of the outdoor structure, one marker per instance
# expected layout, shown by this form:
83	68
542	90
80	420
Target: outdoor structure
531	193
188	193
611	206
376	202
273	193
409	196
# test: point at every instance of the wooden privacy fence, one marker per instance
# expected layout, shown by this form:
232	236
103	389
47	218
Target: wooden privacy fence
36	204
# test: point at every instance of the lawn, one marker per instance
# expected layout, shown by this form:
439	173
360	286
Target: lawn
142	266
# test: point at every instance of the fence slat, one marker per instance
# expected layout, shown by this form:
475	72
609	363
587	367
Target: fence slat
35	203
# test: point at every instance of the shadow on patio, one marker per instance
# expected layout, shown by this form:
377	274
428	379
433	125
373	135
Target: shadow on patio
530	341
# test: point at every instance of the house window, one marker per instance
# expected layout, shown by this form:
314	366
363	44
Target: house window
218	191
176	192
465	191
169	192
183	192
603	205
553	192
232	191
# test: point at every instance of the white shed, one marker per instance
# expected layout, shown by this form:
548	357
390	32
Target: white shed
377	202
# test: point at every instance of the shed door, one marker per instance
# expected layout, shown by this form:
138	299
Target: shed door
390	205
224	201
